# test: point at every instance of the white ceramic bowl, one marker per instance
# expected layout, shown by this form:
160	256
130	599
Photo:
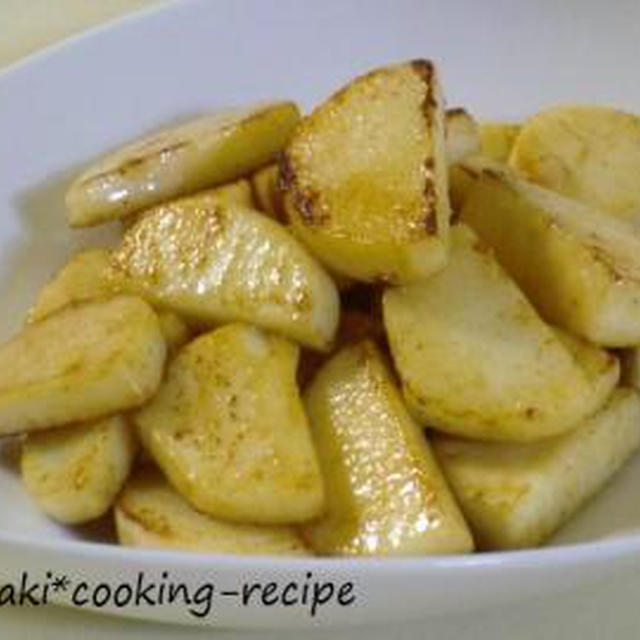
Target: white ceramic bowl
60	108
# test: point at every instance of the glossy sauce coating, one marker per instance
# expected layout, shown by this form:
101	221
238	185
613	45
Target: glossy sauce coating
219	263
386	494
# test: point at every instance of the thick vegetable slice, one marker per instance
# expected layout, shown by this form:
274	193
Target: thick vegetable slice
84	278
365	177
82	363
218	263
590	153
75	473
200	153
80	280
516	496
229	430
151	514
476	360
385	492
579	267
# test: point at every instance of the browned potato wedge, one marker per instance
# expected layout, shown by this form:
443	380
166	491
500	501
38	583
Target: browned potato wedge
228	429
586	152
515	496
75	473
151	514
497	138
200	153
365	177
84	362
266	192
462	135
218	263
385	492
476	360
580	268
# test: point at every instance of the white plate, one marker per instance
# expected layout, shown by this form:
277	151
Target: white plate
61	108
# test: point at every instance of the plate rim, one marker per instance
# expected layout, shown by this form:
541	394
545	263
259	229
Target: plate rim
592	552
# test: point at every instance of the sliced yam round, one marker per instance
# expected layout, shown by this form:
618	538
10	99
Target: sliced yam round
229	430
476	360
218	263
151	514
74	473
385	492
587	152
80	280
515	496
86	361
203	152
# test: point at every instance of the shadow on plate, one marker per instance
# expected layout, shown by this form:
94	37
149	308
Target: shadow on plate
43	245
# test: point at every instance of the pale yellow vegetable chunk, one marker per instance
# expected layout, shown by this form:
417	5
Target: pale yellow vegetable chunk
476	360
385	492
175	161
365	177
151	514
75	473
229	430
84	278
219	263
80	280
462	135
580	268
497	138
87	361
515	496
590	153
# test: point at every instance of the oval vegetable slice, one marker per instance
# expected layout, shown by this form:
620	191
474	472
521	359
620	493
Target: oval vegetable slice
151	514
578	266
80	280
590	153
229	430
220	263
75	473
515	496
87	361
476	359
200	153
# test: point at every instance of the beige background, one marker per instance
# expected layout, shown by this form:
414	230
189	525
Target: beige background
28	25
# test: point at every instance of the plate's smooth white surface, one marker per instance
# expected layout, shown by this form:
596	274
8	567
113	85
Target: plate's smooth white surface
59	109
